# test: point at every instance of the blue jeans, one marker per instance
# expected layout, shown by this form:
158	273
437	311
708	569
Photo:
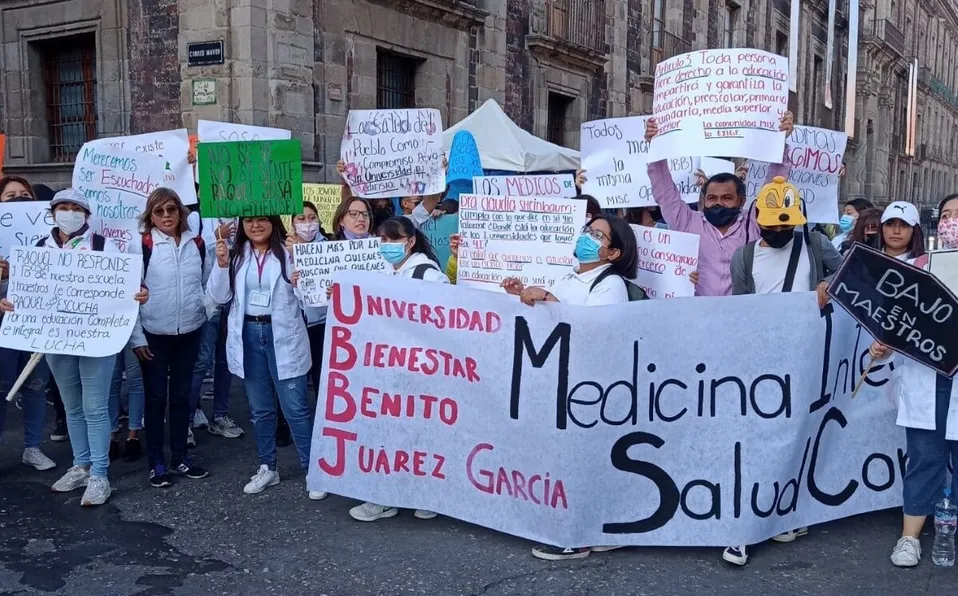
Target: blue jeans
33	393
928	454
168	378
85	388
212	352
127	361
259	370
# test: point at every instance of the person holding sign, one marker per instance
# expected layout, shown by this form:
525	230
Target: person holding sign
783	260
409	253
608	258
12	362
720	222
266	341
84	381
175	266
927	409
899	234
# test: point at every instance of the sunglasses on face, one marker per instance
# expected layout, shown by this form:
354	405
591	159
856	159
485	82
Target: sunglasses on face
168	210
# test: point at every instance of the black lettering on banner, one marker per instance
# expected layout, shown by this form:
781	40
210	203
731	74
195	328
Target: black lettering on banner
668	492
826	397
562	335
889	466
715	490
832	500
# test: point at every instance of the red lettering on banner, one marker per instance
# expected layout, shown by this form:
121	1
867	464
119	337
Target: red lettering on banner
402	461
338	313
339	465
429	361
440	317
418	462
437	469
336	387
374	460
540	490
341	337
392	406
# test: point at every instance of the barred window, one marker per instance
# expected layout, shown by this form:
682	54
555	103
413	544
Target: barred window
69	80
395	81
556	125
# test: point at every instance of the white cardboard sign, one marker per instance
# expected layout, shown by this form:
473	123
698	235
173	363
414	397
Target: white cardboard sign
23	224
560	186
666	260
316	263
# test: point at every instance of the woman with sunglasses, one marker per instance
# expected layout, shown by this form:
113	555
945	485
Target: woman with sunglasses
607	255
266	341
175	267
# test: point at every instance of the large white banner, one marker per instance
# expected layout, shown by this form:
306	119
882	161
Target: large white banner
532	239
209	131
663	422
816	156
75	302
23	224
721	102
390	153
536	185
171	145
667	260
316	263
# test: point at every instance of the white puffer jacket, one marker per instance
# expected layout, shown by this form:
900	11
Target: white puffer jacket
176	277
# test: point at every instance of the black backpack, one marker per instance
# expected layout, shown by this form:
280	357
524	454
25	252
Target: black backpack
635	292
98	242
420	271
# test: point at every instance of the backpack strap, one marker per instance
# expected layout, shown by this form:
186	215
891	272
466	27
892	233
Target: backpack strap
200	246
793	258
600	278
146	243
41	242
748	256
420	271
99	242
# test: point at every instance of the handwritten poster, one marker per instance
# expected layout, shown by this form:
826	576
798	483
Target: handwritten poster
390	153
23	224
209	131
943	264
464	162
438	230
816	156
532	239
712	166
326	198
171	145
666	260
318	261
723	102
541	185
250	178
76	302
608	425
117	181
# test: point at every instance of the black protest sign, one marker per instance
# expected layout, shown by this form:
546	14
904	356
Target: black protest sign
902	306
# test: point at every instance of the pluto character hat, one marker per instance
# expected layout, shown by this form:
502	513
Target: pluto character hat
778	204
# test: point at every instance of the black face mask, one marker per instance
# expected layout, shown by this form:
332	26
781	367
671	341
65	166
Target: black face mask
777	238
20	199
720	216
871	240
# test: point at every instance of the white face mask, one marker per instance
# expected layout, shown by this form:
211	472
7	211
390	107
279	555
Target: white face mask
307	231
69	221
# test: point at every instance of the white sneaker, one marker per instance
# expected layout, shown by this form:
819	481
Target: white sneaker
907	552
317	495
72	480
97	491
263	479
425	514
32	456
736	555
199	419
370	512
225	427
190	439
791	535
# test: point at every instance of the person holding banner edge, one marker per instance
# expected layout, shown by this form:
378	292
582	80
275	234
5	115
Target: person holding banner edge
84	382
12	362
408	251
266	341
928	409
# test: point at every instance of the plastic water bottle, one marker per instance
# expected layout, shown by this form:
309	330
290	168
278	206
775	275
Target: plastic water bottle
946	519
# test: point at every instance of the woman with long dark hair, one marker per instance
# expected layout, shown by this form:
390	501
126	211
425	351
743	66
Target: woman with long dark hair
899	234
865	230
266	342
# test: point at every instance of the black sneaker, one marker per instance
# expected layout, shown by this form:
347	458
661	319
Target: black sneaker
159	476
114	450
190	470
133	450
557	553
60	433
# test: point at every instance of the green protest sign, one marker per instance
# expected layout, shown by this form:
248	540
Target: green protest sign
250	178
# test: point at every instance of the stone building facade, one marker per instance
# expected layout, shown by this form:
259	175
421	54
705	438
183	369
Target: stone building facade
78	69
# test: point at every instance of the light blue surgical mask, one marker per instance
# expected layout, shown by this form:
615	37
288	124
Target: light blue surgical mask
393	252
587	249
846	223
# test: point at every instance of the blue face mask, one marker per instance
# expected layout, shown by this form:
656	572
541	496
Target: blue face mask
587	249
393	252
846	223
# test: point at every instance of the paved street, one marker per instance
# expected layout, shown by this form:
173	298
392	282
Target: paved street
206	537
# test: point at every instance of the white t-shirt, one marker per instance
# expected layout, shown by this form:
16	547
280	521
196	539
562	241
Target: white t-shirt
574	289
771	264
433	273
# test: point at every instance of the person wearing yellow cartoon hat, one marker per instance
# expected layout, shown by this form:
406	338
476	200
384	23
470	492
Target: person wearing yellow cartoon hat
785	259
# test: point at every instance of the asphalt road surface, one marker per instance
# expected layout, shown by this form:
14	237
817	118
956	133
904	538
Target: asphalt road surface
206	537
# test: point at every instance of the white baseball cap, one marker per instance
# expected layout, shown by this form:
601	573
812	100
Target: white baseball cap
906	212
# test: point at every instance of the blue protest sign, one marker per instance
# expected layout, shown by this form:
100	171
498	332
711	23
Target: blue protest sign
464	163
438	231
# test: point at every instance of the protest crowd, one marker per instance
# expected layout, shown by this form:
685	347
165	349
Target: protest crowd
214	288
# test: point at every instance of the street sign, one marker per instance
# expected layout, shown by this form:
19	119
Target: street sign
205	53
